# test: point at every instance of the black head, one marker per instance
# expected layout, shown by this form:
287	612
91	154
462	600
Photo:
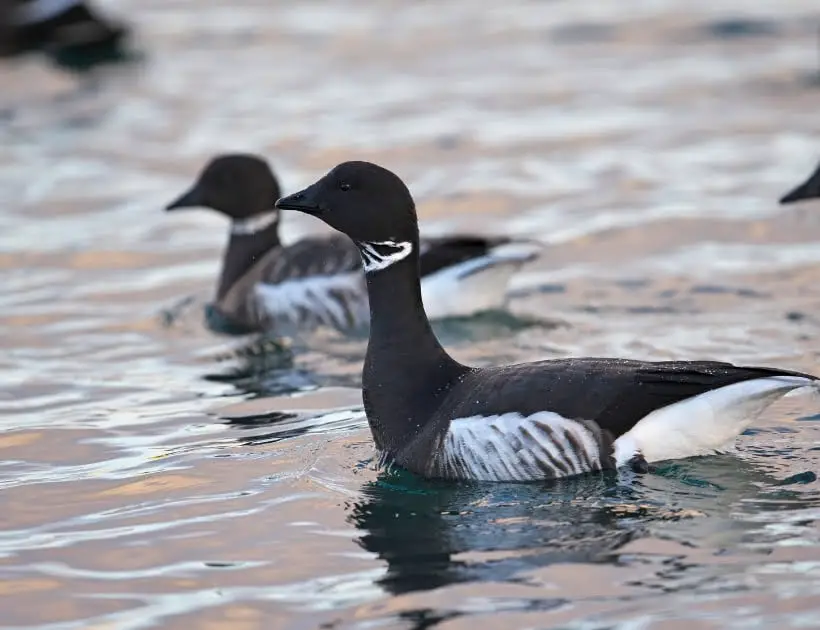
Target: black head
366	202
807	190
239	186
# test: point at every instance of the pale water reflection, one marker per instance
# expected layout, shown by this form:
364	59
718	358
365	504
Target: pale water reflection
158	475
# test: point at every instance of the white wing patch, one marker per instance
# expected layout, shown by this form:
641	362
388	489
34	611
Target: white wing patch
338	300
512	447
704	424
375	260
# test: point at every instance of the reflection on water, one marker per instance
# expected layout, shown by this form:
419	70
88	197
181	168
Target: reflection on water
159	470
432	534
421	530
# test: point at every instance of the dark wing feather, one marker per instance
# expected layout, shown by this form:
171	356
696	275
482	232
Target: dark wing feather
614	393
310	257
656	385
438	253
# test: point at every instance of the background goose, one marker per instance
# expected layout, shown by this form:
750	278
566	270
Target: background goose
439	418
807	190
318	281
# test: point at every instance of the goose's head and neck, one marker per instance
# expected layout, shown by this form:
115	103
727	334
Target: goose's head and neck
244	189
405	361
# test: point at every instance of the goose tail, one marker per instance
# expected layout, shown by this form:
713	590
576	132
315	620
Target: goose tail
708	423
477	284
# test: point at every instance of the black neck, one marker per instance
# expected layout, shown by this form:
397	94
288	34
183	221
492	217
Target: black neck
243	252
405	365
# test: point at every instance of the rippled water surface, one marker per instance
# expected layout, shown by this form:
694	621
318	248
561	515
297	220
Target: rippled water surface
155	474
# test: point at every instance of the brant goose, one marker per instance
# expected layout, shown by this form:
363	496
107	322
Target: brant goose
807	190
555	418
319	281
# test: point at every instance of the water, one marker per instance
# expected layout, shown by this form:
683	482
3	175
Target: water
156	475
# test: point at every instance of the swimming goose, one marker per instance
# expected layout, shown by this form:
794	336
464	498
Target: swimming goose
440	419
319	281
807	190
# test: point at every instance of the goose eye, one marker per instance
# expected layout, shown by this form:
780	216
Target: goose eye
344	186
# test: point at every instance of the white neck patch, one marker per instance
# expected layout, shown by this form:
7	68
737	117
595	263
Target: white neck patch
254	224
378	255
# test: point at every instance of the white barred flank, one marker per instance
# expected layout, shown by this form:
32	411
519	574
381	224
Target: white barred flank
339	301
512	447
373	259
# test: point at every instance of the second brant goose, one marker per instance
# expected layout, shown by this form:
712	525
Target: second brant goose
438	418
807	190
266	285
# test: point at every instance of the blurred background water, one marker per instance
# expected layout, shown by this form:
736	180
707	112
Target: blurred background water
155	474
